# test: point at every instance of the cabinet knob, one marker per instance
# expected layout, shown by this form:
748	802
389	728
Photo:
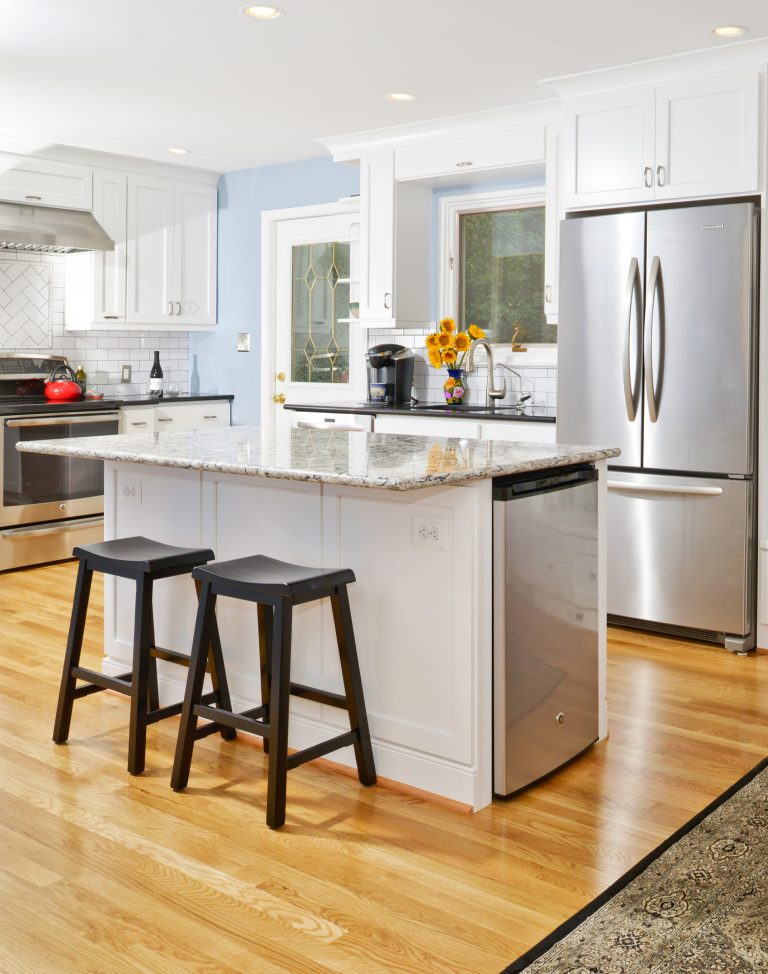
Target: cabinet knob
279	398
280	376
648	177
661	176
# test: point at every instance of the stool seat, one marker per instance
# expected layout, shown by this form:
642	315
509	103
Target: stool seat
144	555
258	574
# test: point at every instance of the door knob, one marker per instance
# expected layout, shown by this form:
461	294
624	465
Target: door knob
280	398
280	376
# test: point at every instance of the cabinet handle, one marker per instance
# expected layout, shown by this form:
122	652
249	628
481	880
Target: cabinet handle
388	300
165	419
170	307
178	307
660	176
648	177
136	423
548	293
110	317
210	417
466	162
33	197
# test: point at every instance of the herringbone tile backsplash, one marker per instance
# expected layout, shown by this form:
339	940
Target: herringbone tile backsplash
25	304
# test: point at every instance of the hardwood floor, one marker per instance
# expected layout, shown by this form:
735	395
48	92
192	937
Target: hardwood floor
101	872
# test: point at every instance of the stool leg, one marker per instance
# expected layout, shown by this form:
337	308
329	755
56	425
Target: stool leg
153	696
218	672
201	640
265	617
142	641
278	714
353	685
72	653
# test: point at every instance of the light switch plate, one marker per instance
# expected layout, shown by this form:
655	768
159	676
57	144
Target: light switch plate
243	341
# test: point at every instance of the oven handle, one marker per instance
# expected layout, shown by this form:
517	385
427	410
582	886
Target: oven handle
37	530
71	420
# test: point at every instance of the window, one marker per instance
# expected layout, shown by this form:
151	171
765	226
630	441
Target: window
495	261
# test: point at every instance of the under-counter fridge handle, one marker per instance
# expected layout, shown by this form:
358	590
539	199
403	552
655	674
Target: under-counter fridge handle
653	383
632	294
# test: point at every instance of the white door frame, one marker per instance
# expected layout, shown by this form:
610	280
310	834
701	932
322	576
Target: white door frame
270	219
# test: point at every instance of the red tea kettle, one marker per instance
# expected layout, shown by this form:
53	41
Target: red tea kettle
62	389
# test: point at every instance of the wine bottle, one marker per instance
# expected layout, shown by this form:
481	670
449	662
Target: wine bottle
156	379
80	377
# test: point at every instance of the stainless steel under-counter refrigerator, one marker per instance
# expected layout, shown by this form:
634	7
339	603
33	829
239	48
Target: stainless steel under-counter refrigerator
657	355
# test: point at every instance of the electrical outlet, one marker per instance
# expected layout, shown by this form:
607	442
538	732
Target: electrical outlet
429	532
125	373
129	492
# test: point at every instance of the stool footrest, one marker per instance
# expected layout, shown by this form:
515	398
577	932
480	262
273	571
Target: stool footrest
172	710
170	655
324	747
100	681
228	719
319	696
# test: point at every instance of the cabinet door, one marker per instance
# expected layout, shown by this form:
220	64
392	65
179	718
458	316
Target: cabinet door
707	136
552	216
377	236
110	209
192	415
137	419
150	250
24	179
426	426
488	150
194	254
609	145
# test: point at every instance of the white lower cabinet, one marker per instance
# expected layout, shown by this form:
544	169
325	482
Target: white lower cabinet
177	415
348	421
521	431
427	426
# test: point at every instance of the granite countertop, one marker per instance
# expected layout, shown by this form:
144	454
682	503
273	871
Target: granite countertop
529	414
145	400
356	459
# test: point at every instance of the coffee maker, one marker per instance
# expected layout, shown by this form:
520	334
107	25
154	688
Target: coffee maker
390	374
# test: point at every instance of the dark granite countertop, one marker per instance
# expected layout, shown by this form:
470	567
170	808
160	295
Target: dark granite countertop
144	400
532	414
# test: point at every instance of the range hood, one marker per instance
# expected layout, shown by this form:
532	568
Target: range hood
49	230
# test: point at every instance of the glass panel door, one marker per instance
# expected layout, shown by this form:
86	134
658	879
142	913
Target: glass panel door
320	313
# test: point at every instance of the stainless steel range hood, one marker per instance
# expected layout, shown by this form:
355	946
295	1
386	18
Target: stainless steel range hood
49	230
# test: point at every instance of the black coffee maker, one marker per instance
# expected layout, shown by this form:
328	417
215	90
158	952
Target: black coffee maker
390	374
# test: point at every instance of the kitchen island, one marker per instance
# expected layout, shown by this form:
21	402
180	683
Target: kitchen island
411	515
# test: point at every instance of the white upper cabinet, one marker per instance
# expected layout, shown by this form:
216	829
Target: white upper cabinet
680	140
25	179
194	253
94	293
470	153
150	250
395	246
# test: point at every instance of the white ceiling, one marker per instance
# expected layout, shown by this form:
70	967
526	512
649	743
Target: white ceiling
138	76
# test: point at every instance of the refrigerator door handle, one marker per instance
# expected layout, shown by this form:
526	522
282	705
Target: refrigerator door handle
653	386
633	488
632	291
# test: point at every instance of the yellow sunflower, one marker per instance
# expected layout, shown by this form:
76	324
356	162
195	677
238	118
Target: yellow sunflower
449	356
462	341
447	325
434	358
431	341
476	332
445	340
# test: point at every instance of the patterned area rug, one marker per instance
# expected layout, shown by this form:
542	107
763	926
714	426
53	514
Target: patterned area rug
696	905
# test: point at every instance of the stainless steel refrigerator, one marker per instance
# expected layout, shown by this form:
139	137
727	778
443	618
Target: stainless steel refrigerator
657	355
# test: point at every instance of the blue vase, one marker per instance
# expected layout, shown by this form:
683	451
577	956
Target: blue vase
454	389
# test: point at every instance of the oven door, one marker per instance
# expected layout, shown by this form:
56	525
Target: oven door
37	487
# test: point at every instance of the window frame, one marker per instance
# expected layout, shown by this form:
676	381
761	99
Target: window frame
451	208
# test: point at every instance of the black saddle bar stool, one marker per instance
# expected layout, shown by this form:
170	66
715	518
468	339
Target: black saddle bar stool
276	587
144	561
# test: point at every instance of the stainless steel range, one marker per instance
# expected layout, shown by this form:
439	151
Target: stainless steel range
48	504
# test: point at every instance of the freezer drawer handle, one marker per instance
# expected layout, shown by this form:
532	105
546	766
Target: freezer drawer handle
664	489
632	388
58	527
653	384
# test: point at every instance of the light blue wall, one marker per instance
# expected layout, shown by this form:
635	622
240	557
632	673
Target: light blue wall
242	197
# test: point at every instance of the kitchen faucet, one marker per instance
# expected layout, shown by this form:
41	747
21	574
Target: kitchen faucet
491	391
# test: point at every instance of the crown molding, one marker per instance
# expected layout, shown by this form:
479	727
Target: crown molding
349	147
707	60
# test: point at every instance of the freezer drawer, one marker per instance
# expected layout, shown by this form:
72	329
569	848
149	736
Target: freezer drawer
680	551
545	631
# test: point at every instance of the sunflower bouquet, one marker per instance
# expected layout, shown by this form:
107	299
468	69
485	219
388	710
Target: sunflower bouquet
448	347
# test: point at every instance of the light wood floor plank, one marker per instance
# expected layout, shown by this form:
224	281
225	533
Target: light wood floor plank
104	872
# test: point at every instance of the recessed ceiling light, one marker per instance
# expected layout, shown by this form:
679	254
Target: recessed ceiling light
399	96
729	30
179	152
262	13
